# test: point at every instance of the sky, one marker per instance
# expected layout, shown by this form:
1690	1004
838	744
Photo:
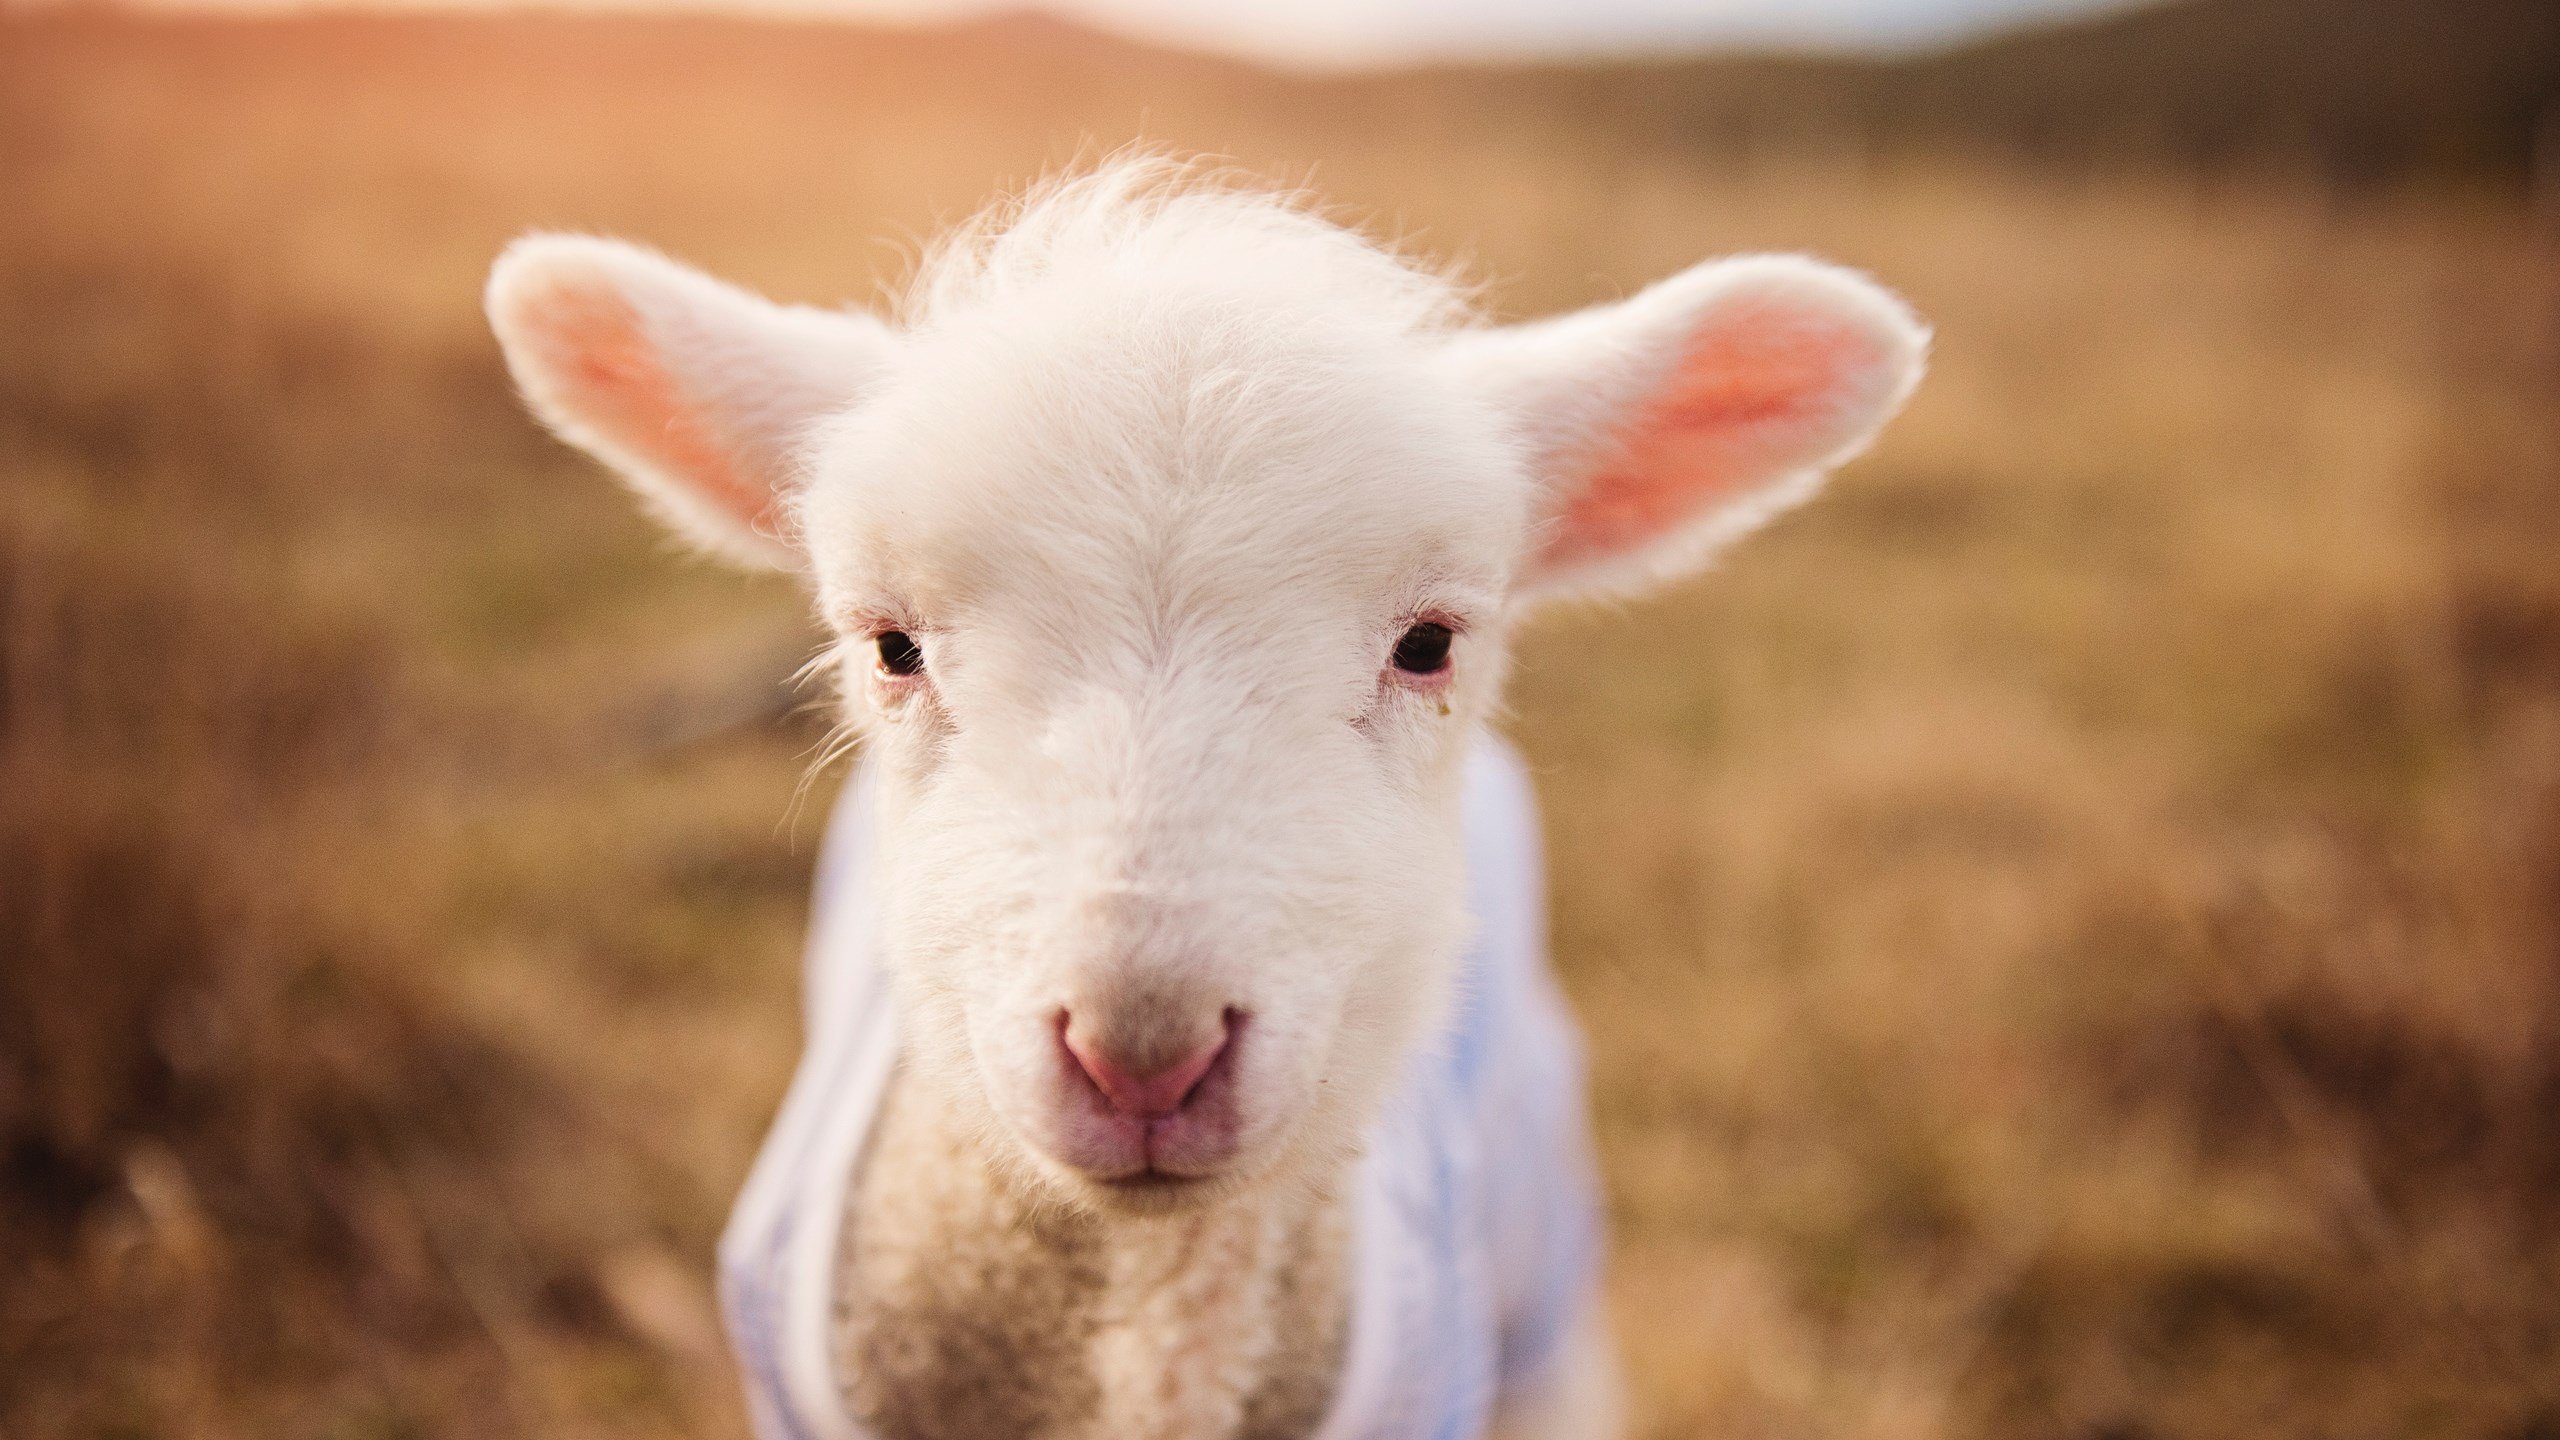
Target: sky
1372	31
1351	33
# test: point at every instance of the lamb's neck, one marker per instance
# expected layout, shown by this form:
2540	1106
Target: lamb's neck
969	1304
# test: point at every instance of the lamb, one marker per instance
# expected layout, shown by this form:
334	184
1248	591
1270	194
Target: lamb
1182	1057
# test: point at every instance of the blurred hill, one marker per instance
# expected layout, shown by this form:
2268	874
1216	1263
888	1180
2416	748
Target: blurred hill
2365	85
2358	89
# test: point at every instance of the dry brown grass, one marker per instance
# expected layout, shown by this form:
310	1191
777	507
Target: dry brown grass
2070	927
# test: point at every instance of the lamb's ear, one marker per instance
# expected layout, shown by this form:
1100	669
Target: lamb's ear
695	391
1664	426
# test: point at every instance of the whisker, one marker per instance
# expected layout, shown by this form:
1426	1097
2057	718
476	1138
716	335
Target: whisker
834	746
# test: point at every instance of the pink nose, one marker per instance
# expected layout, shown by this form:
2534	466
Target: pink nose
1146	1096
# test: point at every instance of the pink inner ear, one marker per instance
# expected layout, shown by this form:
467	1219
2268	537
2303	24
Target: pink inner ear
1757	395
612	380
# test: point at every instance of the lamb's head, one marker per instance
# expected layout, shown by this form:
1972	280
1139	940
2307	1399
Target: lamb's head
1170	545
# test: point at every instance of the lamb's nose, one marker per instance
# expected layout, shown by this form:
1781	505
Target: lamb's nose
1139	1092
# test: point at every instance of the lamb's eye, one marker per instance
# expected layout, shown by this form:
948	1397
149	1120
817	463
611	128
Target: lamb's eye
1424	650
900	655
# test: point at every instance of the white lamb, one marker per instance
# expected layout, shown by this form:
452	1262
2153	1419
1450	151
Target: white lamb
1183	1061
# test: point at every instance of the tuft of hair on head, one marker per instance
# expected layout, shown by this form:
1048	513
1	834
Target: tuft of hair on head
1151	220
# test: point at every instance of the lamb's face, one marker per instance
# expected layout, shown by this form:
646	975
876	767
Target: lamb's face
1168	631
1170	557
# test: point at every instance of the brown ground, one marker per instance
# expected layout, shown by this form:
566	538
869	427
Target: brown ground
2070	926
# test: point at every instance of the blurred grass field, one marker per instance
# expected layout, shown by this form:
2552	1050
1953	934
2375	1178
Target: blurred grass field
2069	926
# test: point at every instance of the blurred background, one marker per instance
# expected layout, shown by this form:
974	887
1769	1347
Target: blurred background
2070	925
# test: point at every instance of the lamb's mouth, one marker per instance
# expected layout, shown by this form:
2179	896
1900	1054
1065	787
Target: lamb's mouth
1154	1192
1152	1181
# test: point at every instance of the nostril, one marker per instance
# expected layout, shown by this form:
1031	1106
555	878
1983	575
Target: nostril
1145	1094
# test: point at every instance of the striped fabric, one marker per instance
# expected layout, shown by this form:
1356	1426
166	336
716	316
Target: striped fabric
1477	1234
